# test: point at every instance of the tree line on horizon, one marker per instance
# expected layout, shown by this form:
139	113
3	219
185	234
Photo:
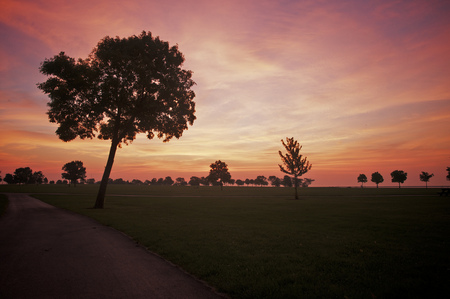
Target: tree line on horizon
75	173
397	176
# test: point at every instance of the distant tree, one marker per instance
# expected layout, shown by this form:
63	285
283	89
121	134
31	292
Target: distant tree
377	178
261	181
38	178
9	179
125	87
90	181
287	181
1	178
425	177
74	171
204	181
119	181
52	182
180	182
23	175
219	174
160	182
448	175
398	176
194	181
306	182
362	179
137	182
275	181
247	182
240	182
232	182
168	181
293	162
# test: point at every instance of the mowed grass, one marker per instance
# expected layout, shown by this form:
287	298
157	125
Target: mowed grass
259	243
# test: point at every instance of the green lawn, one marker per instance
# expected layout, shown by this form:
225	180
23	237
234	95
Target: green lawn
259	243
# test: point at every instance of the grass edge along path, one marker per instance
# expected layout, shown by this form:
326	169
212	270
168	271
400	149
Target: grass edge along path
270	247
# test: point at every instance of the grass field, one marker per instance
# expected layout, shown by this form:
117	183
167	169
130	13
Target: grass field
259	243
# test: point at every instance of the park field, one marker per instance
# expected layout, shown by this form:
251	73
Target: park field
252	242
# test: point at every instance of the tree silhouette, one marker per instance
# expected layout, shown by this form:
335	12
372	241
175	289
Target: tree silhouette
23	175
125	87
74	171
219	174
448	175
425	177
293	162
398	176
362	179
377	178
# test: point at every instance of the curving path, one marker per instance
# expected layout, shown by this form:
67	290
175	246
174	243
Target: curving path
46	252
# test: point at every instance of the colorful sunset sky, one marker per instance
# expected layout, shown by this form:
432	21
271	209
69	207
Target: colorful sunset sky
364	86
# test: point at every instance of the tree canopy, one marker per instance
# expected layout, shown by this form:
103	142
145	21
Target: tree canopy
398	176
126	86
377	178
74	171
294	163
219	174
425	177
362	178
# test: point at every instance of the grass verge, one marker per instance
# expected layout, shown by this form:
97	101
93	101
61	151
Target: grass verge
256	243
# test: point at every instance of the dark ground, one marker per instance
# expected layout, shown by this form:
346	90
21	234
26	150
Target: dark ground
47	252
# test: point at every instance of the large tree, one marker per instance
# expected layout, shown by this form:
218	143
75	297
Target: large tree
398	176
126	86
294	163
219	174
74	171
425	177
377	178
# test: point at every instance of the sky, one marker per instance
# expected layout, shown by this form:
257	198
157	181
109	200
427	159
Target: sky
363	86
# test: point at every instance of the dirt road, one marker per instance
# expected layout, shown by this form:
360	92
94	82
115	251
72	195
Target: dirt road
46	252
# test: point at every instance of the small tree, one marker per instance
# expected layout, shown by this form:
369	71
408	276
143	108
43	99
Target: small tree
74	171
362	179
180	182
9	179
398	176
425	177
293	162
194	181
125	87
275	181
219	174
377	178
448	175
168	181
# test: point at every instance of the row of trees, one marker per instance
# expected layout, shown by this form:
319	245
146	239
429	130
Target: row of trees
74	172
206	181
398	176
25	175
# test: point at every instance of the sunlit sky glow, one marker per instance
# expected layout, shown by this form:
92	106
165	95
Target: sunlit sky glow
364	86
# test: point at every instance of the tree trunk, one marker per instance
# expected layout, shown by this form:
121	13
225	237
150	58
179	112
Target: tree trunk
295	184
99	203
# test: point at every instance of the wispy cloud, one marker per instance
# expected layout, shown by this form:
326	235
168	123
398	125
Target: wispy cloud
362	85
